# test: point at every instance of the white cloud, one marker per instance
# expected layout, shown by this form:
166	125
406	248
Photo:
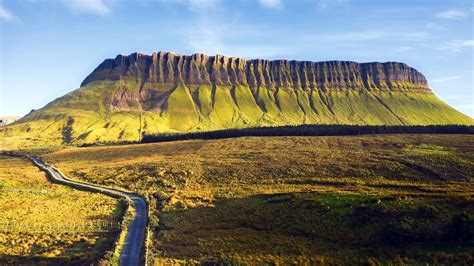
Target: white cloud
451	14
275	4
457	45
5	14
88	6
439	80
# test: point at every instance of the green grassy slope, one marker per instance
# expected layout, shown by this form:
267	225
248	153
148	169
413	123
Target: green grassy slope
180	112
106	111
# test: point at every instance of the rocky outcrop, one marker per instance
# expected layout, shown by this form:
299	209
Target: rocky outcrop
171	68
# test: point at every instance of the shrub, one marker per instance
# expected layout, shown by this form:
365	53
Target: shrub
426	212
400	232
367	214
461	228
223	262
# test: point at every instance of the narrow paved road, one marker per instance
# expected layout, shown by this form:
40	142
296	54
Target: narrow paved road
132	248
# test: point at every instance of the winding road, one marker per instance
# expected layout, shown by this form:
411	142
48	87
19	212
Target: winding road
132	248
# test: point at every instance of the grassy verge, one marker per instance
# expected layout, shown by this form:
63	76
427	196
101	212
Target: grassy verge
127	217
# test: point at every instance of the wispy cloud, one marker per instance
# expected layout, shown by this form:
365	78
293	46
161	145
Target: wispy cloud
404	49
203	4
440	80
211	39
323	4
457	45
195	5
377	35
205	39
435	26
466	108
98	7
451	14
275	4
453	97
5	14
212	36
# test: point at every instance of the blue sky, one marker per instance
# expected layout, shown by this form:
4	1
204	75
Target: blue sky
49	46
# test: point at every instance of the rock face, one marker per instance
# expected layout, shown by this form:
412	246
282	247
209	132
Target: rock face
170	68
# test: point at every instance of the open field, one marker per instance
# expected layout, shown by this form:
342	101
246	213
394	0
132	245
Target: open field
45	223
280	200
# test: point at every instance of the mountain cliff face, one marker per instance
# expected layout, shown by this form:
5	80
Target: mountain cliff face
126	97
170	68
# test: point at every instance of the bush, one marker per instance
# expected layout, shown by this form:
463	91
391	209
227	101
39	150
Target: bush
426	212
461	228
367	214
223	262
400	232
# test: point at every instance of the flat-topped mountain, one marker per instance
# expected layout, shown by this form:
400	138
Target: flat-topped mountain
126	97
166	68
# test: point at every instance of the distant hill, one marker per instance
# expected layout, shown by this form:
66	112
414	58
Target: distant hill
126	97
6	120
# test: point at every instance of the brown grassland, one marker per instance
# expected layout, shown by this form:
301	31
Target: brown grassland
45	223
296	200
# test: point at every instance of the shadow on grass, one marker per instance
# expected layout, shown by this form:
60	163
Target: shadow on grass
43	260
337	227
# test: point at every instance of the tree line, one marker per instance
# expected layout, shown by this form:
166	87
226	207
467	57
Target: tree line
312	130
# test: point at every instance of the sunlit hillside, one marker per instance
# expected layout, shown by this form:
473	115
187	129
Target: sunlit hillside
126	98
